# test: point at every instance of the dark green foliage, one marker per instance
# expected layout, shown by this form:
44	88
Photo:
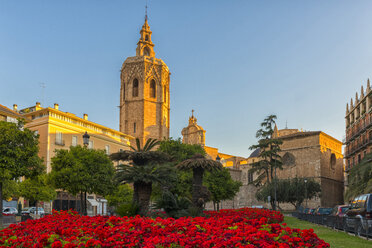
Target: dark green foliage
10	189
221	185
37	189
199	164
128	209
143	168
179	151
174	206
360	178
294	191
18	155
82	170
122	194
269	147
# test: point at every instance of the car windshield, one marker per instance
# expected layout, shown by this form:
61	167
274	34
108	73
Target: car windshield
344	209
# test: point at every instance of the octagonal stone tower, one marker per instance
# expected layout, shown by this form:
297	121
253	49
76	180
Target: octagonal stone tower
144	93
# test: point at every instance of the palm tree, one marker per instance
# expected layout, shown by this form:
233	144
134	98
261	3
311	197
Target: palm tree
143	168
198	163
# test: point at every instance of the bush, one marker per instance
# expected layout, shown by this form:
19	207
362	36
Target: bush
127	209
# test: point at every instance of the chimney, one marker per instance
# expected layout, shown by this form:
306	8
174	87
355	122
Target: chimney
56	106
15	107
85	116
38	106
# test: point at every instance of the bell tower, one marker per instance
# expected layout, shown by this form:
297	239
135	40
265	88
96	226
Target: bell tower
144	92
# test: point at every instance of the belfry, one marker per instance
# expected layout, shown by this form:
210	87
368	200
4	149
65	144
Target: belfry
144	93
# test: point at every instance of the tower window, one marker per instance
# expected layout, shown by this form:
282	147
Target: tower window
135	87
146	51
146	38
165	94
152	88
134	127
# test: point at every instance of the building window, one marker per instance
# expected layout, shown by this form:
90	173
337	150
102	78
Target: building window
250	177
152	89
135	88
107	149
353	161
146	38
74	141
359	158
165	94
120	150
91	144
146	51
134	127
59	140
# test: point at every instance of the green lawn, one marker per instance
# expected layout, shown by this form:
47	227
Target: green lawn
335	238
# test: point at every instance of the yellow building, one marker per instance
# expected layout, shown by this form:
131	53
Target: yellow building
8	115
60	130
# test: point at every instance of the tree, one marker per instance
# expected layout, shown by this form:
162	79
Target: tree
37	189
198	164
360	178
82	170
270	160
294	191
121	194
18	154
221	186
179	152
143	168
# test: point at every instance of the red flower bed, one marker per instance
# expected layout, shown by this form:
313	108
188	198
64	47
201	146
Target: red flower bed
226	228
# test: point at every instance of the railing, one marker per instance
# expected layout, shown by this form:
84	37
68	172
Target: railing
360	227
357	129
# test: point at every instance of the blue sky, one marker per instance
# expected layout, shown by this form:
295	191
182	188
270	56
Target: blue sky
234	62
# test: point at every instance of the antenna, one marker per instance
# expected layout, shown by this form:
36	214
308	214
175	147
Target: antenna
286	124
146	11
42	85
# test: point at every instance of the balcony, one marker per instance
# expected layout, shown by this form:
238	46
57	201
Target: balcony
357	129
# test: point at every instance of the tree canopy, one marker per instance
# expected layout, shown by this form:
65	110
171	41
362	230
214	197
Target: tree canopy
221	185
269	147
18	154
82	170
37	189
294	191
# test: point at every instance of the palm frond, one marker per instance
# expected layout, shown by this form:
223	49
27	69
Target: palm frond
199	161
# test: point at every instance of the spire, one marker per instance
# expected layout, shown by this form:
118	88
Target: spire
351	103
347	108
145	47
361	92
192	119
368	85
356	98
276	132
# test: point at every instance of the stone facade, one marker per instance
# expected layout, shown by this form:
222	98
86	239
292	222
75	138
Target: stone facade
314	155
144	94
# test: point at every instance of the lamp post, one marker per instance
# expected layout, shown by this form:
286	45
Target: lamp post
86	137
305	180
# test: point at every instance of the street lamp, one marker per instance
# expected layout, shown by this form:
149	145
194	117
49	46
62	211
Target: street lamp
218	159
305	180
86	137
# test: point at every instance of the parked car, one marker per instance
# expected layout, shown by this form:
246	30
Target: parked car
340	210
32	210
10	210
323	211
360	214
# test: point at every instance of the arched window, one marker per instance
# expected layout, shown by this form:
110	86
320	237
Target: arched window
135	88
146	51
333	161
288	159
152	89
146	38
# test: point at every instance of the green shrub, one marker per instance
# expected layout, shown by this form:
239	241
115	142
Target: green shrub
127	209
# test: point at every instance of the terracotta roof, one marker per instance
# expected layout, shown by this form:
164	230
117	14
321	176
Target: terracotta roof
9	112
300	134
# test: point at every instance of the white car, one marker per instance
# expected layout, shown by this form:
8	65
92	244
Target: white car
40	211
10	210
